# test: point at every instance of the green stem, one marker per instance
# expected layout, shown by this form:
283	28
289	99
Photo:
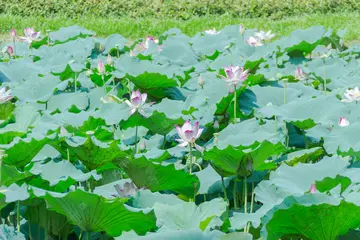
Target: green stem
204	197
235	195
18	216
245	199
103	79
80	235
252	202
224	189
29	225
285	92
324	76
235	104
190	156
68	154
164	142
14	46
118	52
286	133
75	82
136	136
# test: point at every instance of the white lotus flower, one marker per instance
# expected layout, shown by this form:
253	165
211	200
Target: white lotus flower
212	31
254	41
343	122
351	95
235	75
5	95
30	35
264	36
188	135
137	102
201	81
109	60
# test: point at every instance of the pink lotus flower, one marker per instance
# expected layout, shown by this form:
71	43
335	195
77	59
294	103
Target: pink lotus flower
188	135
10	51
212	31
313	188
241	29
30	35
254	42
299	74
343	122
235	75
5	95
101	67
128	190
137	102
12	33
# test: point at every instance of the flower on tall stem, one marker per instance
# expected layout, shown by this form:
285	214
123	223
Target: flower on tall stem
189	134
138	102
13	34
10	51
101	67
234	76
30	35
147	42
351	95
5	95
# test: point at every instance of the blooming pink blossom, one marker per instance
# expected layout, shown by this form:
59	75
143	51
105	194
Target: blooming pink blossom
137	102
235	75
254	42
299	74
313	188
30	35
188	135
10	50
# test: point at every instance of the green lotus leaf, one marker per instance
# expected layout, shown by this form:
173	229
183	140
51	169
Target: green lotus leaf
9	233
192	234
93	153
93	213
70	33
157	177
9	175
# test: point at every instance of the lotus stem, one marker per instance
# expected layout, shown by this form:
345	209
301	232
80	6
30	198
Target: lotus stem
252	202
235	194
14	47
103	79
190	157
285	86
164	142
224	188
136	136
204	197
29	229
324	76
198	165
245	199
68	154
81	233
18	216
118	51
75	78
235	104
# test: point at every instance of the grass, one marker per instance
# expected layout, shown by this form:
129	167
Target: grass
137	28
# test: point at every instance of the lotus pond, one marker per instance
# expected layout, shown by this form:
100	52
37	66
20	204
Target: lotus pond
224	135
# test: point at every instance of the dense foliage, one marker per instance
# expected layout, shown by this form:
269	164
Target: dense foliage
224	135
179	9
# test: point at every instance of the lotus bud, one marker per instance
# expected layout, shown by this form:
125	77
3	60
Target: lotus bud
100	47
313	188
216	125
132	53
89	72
63	132
201	81
13	33
101	67
90	133
216	138
142	145
343	122
241	29
10	50
249	165
109	60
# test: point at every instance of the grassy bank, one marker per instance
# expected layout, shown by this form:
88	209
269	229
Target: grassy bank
135	28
